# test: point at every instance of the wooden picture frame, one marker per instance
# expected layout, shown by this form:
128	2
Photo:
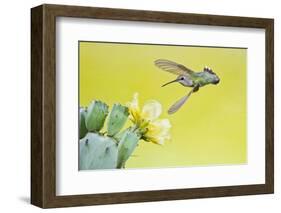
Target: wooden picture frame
43	105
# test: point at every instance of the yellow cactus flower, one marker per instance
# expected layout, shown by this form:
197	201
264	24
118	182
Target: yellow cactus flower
158	131
146	120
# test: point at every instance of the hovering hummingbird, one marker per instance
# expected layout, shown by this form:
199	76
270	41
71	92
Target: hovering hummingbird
187	78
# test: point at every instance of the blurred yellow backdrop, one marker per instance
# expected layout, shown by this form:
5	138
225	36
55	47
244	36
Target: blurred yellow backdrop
210	129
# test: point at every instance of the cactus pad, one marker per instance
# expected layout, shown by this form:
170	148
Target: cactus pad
97	152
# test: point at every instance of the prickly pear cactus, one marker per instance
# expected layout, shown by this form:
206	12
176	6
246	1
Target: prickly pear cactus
96	115
82	126
108	146
117	118
126	146
97	152
100	150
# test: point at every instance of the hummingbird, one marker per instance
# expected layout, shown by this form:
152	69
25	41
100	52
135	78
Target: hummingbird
187	78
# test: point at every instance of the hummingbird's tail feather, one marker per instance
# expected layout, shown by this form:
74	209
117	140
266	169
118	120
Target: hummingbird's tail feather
178	104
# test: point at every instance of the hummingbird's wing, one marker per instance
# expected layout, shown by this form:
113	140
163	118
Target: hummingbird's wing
173	67
175	107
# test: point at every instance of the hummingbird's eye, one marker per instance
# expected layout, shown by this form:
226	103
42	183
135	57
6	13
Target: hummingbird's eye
182	78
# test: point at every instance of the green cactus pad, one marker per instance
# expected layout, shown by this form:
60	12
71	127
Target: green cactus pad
96	115
97	152
126	146
82	126
117	118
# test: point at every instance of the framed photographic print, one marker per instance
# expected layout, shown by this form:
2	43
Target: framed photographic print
136	106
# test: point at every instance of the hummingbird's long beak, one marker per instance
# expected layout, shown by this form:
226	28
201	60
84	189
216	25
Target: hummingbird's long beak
171	82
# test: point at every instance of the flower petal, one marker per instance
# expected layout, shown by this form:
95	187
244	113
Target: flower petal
160	127
151	110
158	131
134	108
134	104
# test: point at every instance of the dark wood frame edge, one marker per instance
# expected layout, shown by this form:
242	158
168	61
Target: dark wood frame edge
43	105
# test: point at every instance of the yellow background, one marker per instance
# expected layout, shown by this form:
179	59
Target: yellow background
210	129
